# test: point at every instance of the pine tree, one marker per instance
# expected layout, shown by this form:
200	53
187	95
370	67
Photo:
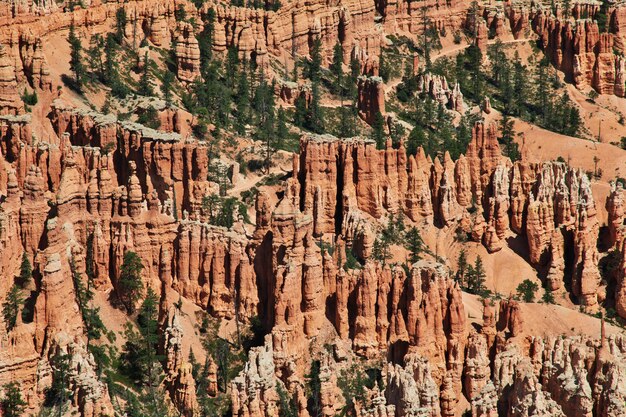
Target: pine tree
527	289
26	271
461	268
205	41
12	404
380	250
355	71
89	261
474	59
111	71
120	25
476	277
542	97
264	107
314	117
315	390
567	8
145	83
166	87
94	326
315	66
415	244
300	114
58	393
384	69
426	40
336	69
548	296
507	137
139	359
95	55
282	131
242	102
347	122
129	283
520	86
378	131
180	15
288	407
231	66
76	61
11	307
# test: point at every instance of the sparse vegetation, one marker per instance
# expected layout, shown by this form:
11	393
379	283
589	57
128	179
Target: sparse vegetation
526	290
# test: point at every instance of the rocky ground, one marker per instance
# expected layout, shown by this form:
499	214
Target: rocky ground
163	252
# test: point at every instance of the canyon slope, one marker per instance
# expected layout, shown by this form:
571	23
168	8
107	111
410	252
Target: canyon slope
312	208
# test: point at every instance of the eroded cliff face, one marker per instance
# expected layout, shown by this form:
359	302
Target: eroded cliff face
125	187
482	194
586	56
142	196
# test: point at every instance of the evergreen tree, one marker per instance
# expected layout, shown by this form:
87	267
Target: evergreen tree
120	25
282	131
166	87
12	404
337	70
145	82
89	261
315	390
76	61
347	122
384	69
26	271
476	277
58	393
427	38
378	131
205	41
548	296
475	58
471	20
314	117
418	138
520	86
111	69
288	407
507	137
180	15
129	283
602	16
355	71
461	268
231	69
315	65
380	250
264	107
498	60
526	290
150	118
542	88
242	102
95	55
567	8
415	244
139	359
90	315
11	307
300	114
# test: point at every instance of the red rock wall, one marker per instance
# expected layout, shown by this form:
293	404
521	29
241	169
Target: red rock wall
482	193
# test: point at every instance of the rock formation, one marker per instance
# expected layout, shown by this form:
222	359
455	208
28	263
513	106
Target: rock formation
79	189
439	89
371	98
